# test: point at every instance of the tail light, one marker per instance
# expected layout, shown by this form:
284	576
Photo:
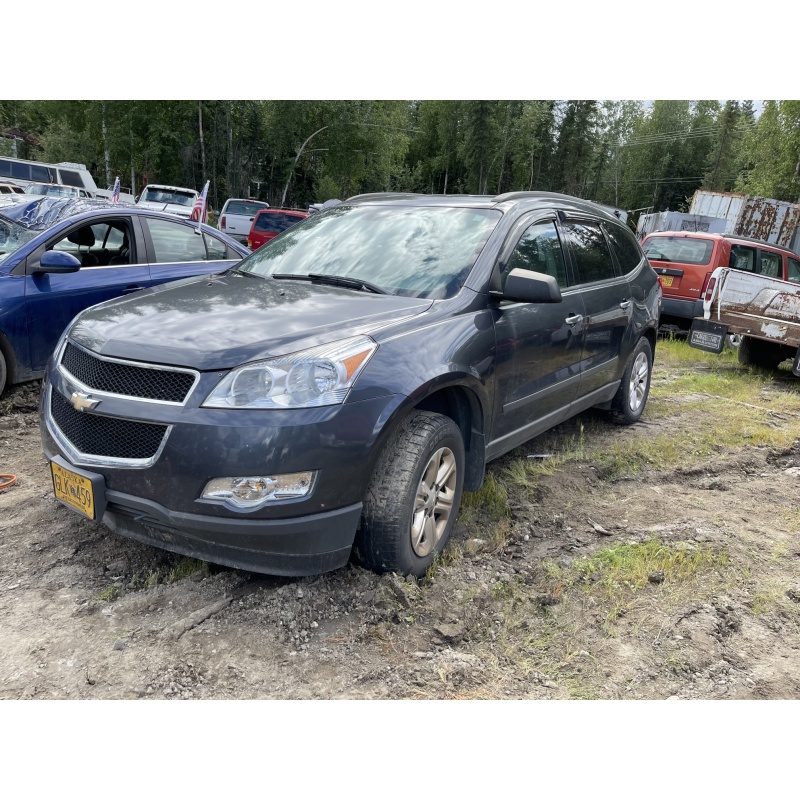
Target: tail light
222	221
705	284
660	282
708	288
249	242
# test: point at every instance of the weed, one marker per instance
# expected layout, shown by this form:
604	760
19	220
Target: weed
492	498
107	595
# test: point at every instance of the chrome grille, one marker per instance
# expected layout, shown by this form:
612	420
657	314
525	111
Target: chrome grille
127	379
110	437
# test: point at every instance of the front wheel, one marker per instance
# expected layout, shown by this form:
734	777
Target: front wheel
412	503
3	372
629	402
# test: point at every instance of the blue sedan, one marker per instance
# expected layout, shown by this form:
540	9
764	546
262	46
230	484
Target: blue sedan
58	258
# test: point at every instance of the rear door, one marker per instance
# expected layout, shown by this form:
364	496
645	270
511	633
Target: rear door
606	298
177	250
109	270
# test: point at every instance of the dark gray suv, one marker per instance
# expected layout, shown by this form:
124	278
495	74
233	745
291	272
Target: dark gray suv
334	393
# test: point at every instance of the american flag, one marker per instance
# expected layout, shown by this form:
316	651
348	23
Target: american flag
115	191
200	210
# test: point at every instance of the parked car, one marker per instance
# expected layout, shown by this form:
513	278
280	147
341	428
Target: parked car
59	256
236	217
270	222
56	190
685	261
349	380
171	199
10	188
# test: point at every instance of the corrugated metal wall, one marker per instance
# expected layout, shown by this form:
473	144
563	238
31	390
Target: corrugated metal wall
762	218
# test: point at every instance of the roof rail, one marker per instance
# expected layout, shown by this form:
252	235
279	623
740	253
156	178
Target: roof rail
524	195
760	241
382	196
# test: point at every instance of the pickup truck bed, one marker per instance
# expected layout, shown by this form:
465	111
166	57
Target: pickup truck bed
764	311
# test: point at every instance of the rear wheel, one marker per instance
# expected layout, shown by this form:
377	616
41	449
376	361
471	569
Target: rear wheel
758	353
3	372
412	503
629	402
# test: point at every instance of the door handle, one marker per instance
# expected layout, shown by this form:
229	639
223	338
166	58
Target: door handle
132	289
574	320
625	304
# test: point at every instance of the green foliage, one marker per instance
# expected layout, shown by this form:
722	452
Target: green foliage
294	152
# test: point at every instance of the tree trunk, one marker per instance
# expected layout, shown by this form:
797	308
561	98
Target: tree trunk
202	142
106	154
133	169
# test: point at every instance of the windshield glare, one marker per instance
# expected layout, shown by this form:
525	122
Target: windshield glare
166	196
12	237
411	251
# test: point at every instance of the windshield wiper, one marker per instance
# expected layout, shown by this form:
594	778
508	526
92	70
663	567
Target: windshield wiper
246	272
333	280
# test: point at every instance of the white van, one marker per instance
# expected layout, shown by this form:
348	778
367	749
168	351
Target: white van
64	173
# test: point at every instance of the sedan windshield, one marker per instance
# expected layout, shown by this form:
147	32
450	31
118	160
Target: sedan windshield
423	251
12	237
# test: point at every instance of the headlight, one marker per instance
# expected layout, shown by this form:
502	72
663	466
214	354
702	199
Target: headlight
319	376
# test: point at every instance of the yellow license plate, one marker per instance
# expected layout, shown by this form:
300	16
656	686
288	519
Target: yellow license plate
74	490
666	280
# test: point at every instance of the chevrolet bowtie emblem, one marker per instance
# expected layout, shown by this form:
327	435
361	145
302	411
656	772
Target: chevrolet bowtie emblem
82	401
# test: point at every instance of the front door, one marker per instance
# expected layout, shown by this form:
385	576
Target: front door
539	345
108	254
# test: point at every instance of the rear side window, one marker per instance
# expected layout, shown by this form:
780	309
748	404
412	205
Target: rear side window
70	178
174	242
743	258
275	223
771	264
679	248
794	270
589	251
625	247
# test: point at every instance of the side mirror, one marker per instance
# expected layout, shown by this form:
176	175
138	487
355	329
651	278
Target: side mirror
57	262
525	286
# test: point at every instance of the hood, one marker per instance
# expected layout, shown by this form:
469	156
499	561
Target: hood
169	208
222	321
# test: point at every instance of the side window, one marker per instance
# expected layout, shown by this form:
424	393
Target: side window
538	250
99	245
771	264
626	248
175	242
40	173
217	251
794	270
589	251
742	258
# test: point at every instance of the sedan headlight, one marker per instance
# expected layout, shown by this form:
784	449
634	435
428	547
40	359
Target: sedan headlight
319	376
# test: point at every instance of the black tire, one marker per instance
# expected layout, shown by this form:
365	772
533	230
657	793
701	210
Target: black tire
403	528
634	388
3	372
758	353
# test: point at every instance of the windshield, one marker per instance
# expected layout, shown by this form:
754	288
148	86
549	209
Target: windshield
679	248
12	237
51	191
411	251
152	195
247	207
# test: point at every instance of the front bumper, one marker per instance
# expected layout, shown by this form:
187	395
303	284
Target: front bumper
158	503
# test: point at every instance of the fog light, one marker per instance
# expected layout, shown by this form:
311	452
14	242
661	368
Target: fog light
253	491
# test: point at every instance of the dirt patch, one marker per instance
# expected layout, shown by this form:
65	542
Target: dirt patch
581	582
